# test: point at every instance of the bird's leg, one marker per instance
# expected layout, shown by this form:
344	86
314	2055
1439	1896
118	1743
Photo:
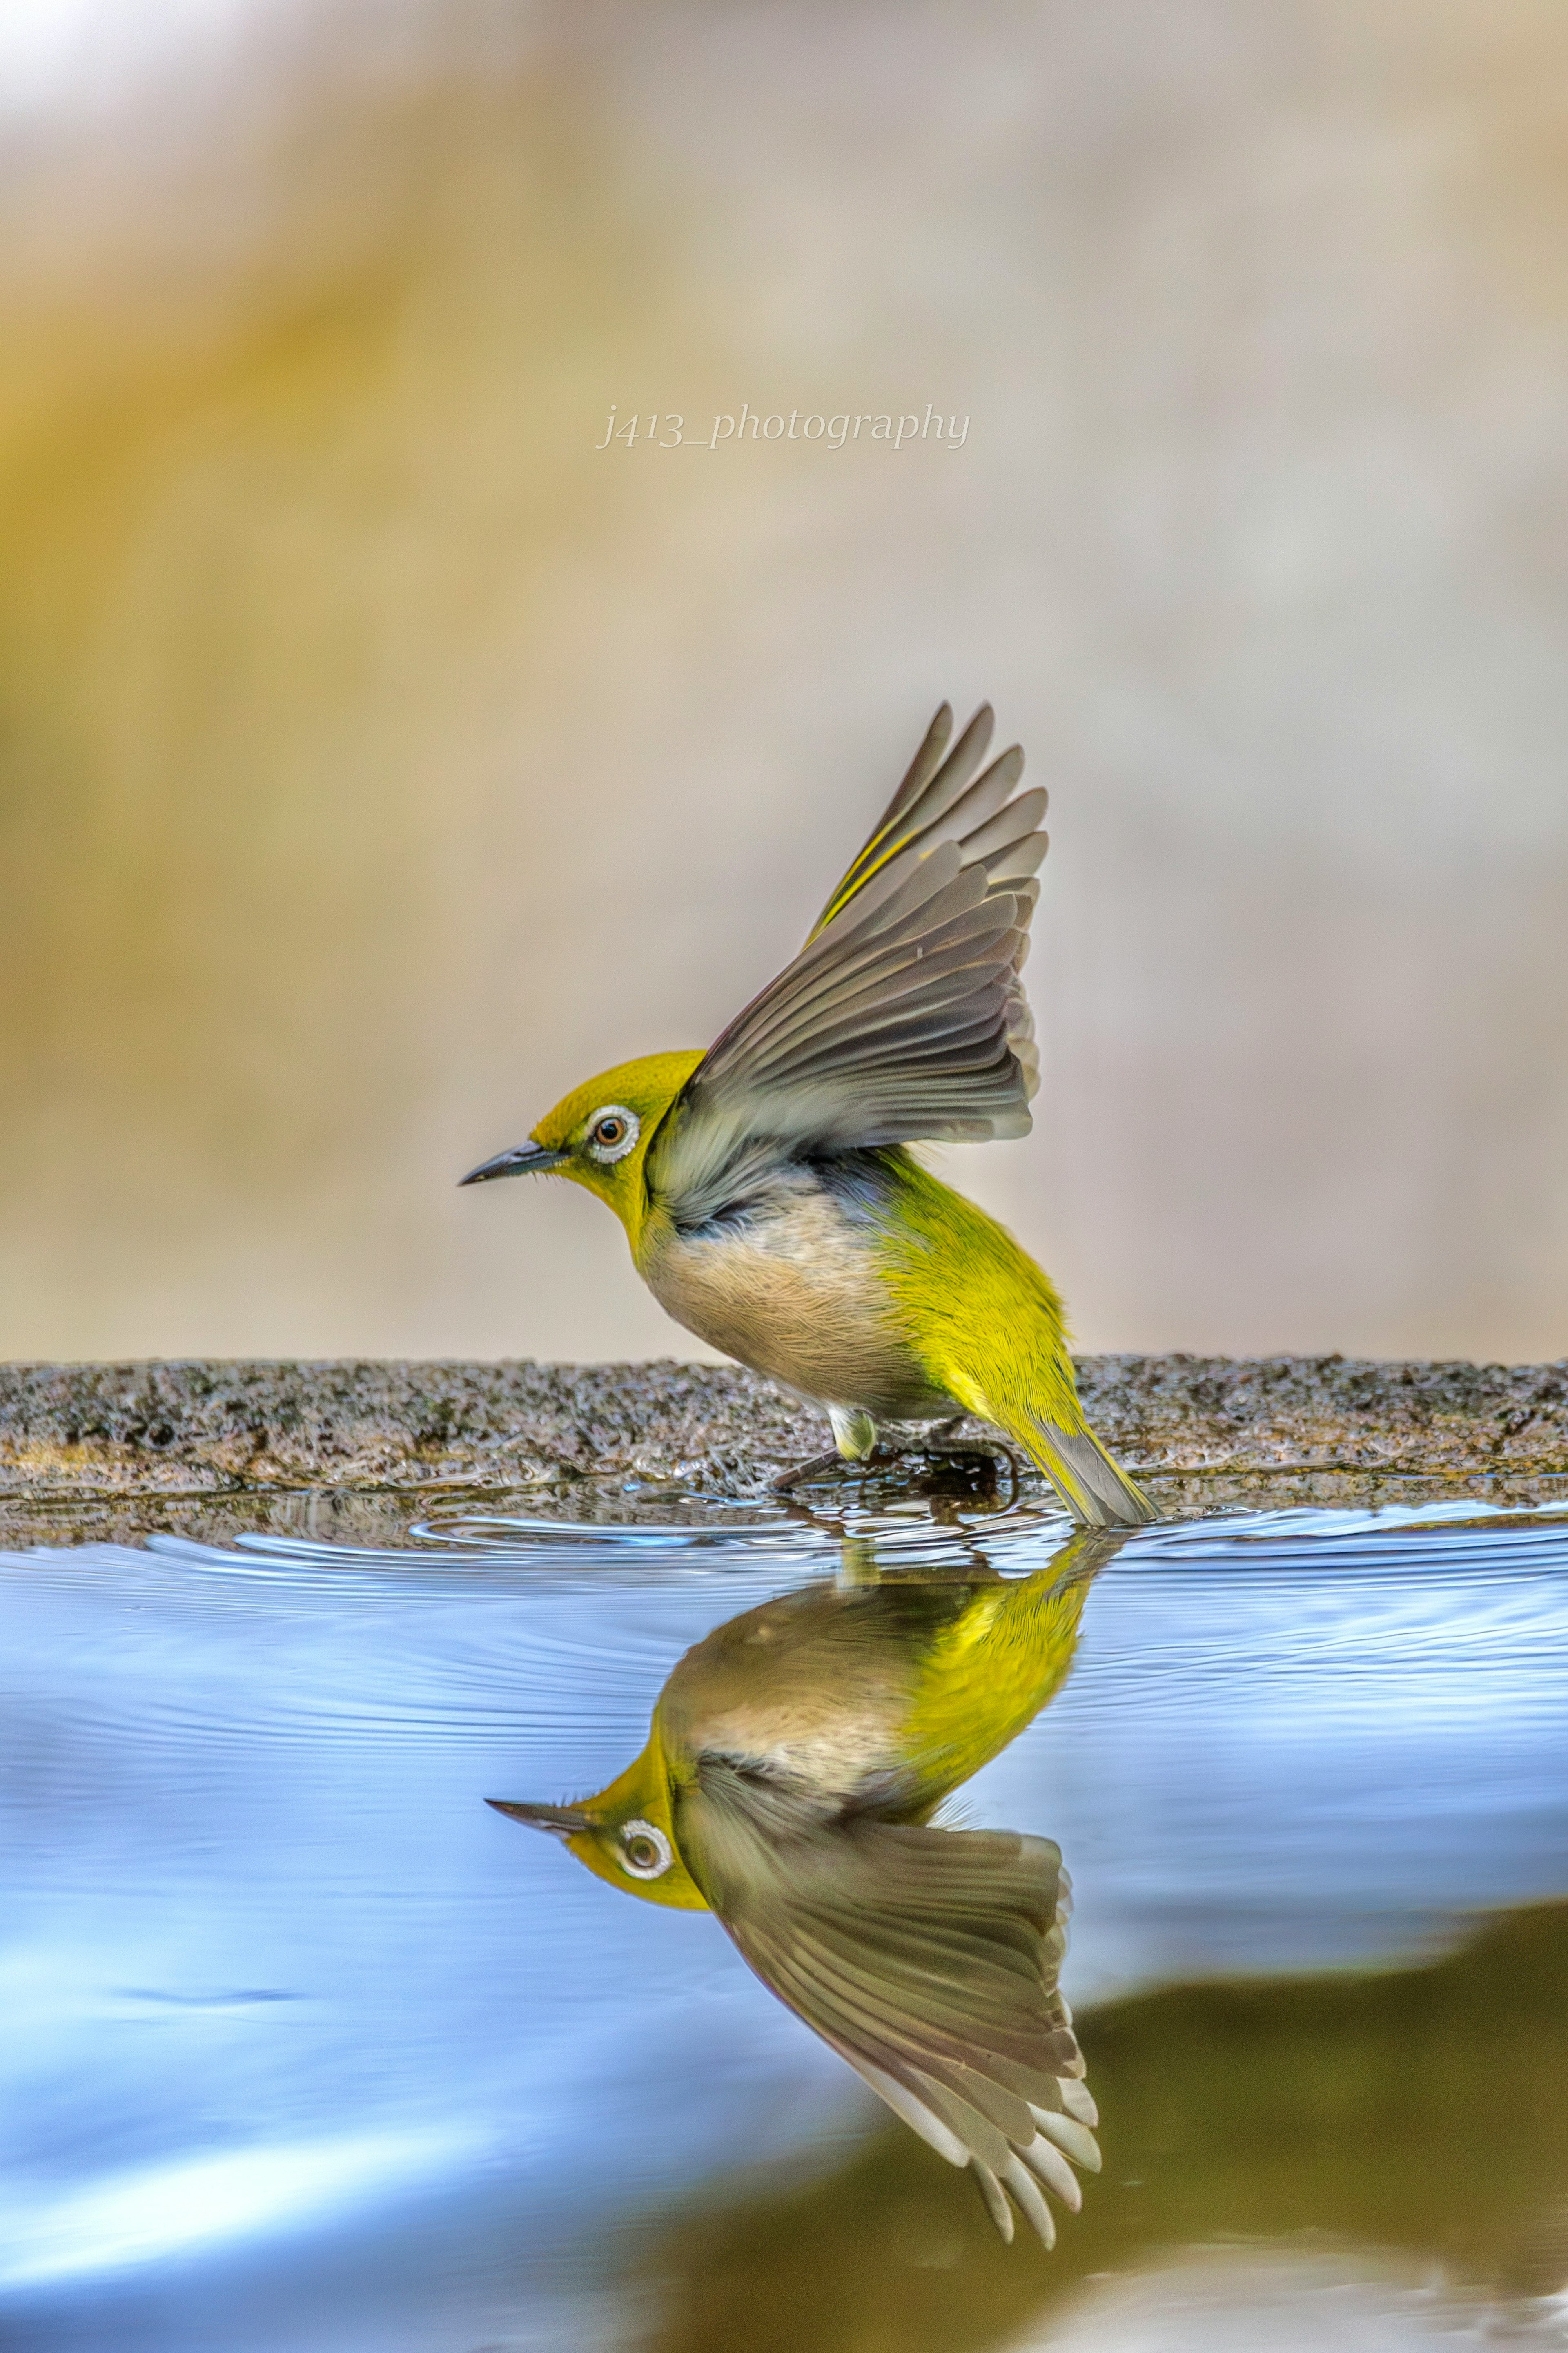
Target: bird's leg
854	1431
806	1470
854	1437
857	1564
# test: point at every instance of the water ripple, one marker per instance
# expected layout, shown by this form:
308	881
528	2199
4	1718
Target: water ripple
276	1988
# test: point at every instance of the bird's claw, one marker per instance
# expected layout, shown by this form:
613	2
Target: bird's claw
831	1460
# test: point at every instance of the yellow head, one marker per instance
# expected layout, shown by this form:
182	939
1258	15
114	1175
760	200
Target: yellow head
599	1134
626	1834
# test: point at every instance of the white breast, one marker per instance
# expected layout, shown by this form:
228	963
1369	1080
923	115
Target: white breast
794	1289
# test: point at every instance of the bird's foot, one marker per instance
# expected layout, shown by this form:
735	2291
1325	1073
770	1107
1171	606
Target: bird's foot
983	1457
940	1445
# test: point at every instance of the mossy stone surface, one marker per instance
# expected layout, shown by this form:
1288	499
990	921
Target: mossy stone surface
1204	1429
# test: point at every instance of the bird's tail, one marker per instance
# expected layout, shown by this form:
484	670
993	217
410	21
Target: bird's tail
1090	1482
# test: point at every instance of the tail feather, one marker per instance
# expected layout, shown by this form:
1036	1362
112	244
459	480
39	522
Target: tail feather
1093	1485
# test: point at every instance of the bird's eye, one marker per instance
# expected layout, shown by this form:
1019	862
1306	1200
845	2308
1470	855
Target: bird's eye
645	1851
613	1133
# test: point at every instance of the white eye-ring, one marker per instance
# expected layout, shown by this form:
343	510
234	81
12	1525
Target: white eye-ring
612	1132
644	1849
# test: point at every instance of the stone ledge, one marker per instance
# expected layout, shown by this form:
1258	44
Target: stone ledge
1197	1425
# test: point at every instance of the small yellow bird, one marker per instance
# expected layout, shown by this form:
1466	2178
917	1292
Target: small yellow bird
765	1186
795	1759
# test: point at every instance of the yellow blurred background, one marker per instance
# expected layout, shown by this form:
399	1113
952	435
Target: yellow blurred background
379	756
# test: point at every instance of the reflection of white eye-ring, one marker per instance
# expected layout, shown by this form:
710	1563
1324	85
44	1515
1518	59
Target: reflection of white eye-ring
612	1132
645	1851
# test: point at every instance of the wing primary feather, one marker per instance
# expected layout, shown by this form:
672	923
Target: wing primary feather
949	802
969	2083
980	824
1078	2101
905	902
951	778
1048	2164
984	2140
961	2123
1026	2190
922	767
996	2204
1014	868
915	2113
1074	2139
927	761
980	802
895	835
1014	822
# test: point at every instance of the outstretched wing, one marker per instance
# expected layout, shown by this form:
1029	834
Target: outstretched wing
903	1016
928	1959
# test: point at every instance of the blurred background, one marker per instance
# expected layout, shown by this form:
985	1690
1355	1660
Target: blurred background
379	756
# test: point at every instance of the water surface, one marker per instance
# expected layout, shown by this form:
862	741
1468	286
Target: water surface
307	2049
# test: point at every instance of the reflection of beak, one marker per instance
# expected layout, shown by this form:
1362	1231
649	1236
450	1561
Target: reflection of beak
561	1821
522	1160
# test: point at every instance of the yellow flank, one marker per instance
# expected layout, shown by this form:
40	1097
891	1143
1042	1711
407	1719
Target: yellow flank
988	1674
985	1320
987	1326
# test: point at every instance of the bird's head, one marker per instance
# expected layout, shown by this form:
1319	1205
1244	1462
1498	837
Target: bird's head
626	1834
599	1134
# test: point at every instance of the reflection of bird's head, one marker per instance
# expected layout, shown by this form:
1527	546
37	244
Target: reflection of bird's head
626	1834
599	1134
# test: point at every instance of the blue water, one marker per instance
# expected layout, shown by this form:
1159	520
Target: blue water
304	2048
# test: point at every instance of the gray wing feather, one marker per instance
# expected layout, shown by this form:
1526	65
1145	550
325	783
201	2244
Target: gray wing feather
929	787
927	1958
903	1017
924	765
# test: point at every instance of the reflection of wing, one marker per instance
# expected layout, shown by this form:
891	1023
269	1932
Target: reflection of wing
928	1959
903	1015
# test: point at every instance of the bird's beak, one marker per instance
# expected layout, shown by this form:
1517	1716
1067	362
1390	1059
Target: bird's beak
522	1160
561	1821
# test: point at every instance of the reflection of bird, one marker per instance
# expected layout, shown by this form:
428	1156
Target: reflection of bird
770	1201
794	1763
